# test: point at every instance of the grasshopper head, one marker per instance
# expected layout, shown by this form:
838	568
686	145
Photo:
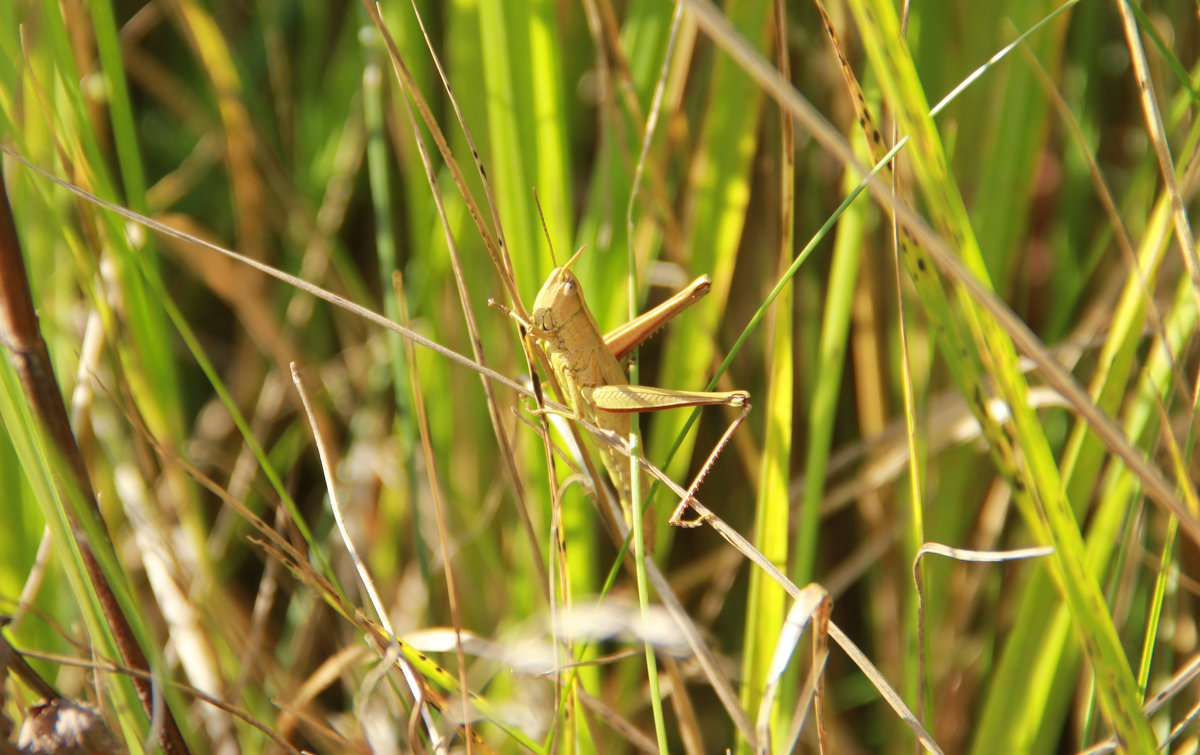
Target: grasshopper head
557	302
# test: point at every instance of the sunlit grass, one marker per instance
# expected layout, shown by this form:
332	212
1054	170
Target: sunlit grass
282	132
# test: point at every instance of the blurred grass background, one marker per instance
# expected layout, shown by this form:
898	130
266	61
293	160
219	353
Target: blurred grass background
279	130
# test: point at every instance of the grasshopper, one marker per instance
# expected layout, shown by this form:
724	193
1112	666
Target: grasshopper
587	366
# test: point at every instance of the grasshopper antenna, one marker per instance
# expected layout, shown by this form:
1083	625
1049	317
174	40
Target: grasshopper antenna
575	256
545	231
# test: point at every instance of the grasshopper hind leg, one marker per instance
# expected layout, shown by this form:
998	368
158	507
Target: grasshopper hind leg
685	503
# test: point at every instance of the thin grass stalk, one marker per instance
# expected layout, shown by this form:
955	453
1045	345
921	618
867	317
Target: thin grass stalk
766	606
1040	656
716	196
439	503
501	433
1162	150
313	91
1051	518
26	348
635	488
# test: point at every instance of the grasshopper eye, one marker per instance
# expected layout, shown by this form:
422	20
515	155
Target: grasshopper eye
569	288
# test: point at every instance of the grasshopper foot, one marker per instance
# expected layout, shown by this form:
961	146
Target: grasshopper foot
677	519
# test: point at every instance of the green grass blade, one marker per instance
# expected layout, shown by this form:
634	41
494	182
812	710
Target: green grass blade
1052	518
